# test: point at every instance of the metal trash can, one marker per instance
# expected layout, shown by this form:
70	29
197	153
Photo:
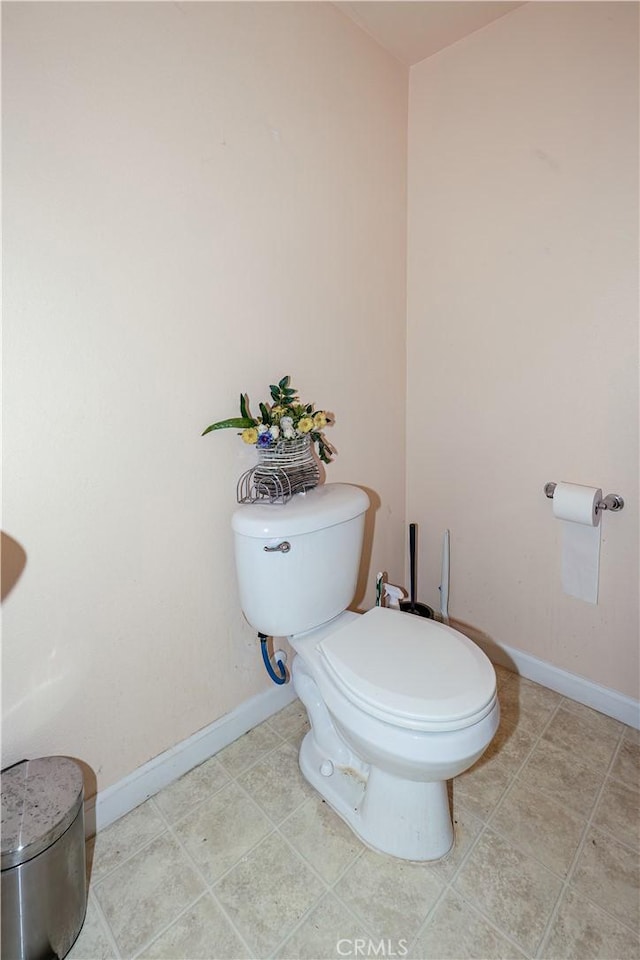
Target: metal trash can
44	897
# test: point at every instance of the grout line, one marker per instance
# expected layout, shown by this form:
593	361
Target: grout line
282	943
169	830
278	828
568	879
276	823
491	923
592	813
449	886
292	849
210	885
328	894
283	841
616	754
430	912
106	926
94	884
274	830
489	825
159	933
173	821
263	756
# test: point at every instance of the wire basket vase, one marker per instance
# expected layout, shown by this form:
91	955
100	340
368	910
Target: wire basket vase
284	469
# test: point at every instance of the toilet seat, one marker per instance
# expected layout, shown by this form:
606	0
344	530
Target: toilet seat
409	671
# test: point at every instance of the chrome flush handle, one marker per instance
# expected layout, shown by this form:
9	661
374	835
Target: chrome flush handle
283	547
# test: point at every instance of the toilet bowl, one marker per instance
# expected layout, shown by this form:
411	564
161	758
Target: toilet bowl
397	704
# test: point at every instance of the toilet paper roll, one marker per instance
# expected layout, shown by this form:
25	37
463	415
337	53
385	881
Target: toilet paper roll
574	502
576	507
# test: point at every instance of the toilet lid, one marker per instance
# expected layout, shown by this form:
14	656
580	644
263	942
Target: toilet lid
416	672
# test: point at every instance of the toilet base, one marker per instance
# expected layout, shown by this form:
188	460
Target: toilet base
404	818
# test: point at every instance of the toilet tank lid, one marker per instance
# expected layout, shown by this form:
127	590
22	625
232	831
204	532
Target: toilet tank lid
324	506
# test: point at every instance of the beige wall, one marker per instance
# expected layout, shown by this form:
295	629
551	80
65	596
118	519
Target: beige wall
202	197
523	316
199	198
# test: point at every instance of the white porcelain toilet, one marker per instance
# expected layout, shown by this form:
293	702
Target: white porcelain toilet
397	704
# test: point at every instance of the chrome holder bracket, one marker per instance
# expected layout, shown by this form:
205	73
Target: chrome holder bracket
613	501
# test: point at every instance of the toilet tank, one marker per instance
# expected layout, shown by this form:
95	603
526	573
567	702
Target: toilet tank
288	591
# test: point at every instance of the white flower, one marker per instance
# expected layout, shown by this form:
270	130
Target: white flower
262	428
286	425
274	430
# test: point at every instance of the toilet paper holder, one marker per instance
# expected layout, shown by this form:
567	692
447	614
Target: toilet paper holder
613	501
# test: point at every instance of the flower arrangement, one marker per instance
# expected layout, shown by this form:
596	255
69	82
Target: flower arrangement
286	418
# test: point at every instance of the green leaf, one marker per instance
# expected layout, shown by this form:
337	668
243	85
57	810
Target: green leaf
240	423
243	406
275	392
325	450
266	416
284	383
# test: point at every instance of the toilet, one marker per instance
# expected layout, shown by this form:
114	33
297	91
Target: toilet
397	704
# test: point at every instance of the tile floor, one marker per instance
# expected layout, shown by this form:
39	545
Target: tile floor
241	859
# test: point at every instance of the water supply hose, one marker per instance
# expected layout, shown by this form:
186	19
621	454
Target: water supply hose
281	676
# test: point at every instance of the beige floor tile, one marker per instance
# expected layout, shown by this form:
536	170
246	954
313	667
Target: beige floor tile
527	705
618	812
457	932
591	714
608	873
512	890
503	676
267	893
539	826
632	734
292	722
221	830
563	777
147	885
276	783
510	747
93	942
328	933
147	892
626	766
201	933
581	931
322	838
480	788
586	734
248	749
124	838
187	792
391	897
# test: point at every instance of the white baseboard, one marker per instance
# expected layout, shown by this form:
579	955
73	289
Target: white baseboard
134	789
131	791
603	699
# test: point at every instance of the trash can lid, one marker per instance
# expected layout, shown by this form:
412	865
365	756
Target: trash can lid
40	799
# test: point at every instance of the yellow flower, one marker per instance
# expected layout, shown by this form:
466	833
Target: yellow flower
320	420
250	435
305	425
